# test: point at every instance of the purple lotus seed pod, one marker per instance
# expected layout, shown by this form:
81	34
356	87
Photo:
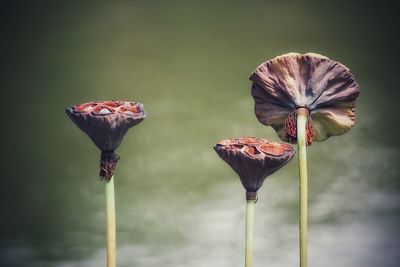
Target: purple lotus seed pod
106	123
253	159
327	89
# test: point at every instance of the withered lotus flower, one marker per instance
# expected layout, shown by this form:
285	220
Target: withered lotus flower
253	159
324	88
106	123
305	98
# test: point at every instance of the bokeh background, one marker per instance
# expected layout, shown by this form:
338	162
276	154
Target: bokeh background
178	204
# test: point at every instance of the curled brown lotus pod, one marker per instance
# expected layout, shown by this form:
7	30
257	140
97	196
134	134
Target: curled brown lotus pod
287	83
106	123
253	159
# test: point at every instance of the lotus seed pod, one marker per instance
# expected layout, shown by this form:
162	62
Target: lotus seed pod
253	159
106	123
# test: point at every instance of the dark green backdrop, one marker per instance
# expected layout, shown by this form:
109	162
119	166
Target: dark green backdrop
178	204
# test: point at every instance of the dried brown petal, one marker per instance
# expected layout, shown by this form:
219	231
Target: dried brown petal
291	128
108	163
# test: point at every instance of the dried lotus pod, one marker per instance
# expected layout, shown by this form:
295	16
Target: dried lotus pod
253	159
106	123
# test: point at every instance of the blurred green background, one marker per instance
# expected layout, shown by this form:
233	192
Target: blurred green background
178	204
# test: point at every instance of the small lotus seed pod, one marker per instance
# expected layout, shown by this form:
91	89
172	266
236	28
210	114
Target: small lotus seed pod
106	123
253	159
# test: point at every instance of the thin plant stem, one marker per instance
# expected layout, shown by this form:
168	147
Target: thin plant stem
249	233
302	115
110	225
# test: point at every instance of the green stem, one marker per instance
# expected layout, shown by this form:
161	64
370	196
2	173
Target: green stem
249	233
302	115
110	218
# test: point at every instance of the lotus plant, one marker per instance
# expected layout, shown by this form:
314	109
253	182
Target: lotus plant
106	123
305	98
253	159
